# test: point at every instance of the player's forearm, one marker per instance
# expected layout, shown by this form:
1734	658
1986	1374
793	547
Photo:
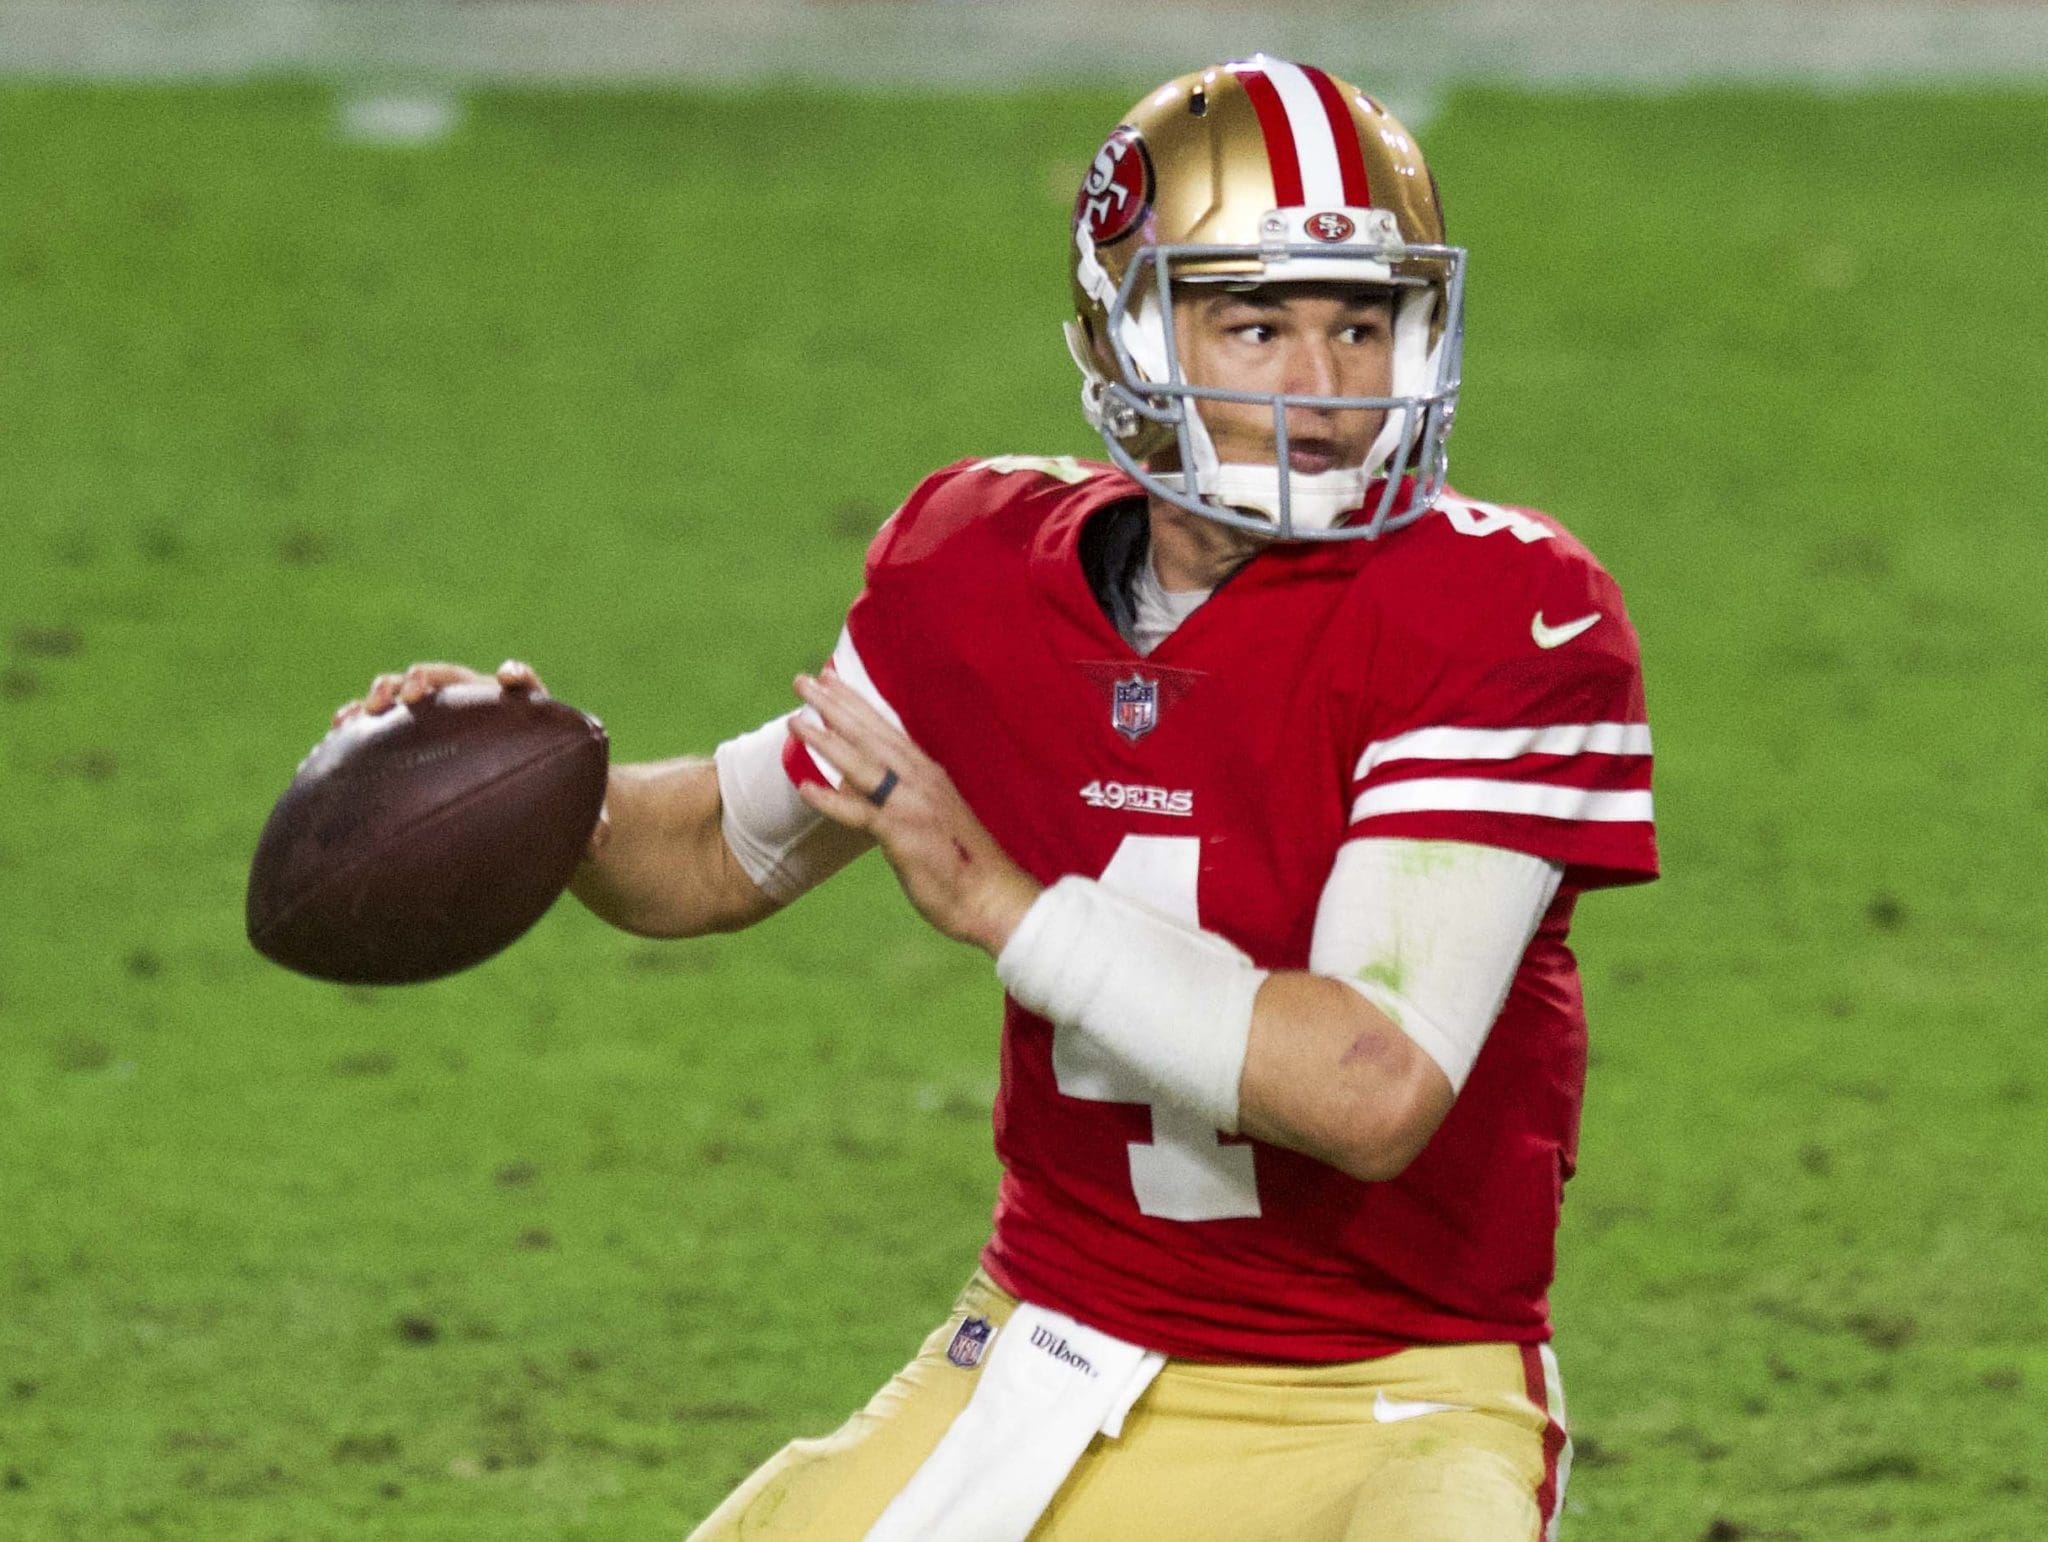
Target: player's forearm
1292	1058
665	870
1329	1075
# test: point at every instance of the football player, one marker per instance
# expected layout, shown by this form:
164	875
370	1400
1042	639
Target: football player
1268	770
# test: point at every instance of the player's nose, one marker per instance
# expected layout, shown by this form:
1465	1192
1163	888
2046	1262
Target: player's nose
1311	368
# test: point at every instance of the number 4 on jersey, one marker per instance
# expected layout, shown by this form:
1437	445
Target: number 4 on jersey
1468	516
1186	1172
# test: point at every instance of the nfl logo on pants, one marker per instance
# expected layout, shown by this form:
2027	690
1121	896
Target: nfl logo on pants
970	1342
1134	708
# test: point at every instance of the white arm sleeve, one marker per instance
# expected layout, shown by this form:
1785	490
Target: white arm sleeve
785	845
1431	933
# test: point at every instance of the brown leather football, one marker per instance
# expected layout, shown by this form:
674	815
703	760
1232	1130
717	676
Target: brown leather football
425	839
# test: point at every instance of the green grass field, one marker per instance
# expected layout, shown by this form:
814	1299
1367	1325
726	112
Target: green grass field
561	1248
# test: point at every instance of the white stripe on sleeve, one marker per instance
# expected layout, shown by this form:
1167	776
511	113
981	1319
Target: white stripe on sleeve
847	665
846	661
1473	795
1322	180
1506	743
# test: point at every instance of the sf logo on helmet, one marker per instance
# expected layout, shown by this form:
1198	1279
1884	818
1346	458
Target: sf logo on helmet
1331	226
1117	189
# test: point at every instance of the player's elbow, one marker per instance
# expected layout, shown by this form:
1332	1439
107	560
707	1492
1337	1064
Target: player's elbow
670	882
1381	1155
1333	1076
1393	1118
674	911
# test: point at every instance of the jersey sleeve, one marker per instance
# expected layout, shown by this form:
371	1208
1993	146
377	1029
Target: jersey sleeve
1525	729
799	761
870	652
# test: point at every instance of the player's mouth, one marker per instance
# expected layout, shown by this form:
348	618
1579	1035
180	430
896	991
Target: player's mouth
1312	456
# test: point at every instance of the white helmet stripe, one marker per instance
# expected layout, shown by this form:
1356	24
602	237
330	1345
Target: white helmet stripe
1322	179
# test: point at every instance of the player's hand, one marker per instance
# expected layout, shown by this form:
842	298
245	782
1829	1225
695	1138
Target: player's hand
417	682
951	868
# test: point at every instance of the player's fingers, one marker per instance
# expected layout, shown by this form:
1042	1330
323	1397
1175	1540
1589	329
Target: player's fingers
859	767
347	710
886	747
839	805
600	835
421	680
853	711
383	693
851	715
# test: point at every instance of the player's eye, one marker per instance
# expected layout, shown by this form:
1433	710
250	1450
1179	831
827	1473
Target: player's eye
1254	332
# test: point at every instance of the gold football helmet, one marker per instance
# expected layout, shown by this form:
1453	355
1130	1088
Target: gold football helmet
1264	172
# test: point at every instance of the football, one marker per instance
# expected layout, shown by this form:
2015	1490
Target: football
423	840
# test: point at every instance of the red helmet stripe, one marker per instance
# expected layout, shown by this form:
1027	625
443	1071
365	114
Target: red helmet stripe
1280	152
1350	159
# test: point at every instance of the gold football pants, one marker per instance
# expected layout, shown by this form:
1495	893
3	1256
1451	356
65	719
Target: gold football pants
1219	1453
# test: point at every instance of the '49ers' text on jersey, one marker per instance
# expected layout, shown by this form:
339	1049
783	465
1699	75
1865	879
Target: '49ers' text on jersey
1472	677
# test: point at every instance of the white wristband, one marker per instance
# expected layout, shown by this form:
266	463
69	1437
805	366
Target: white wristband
1171	1002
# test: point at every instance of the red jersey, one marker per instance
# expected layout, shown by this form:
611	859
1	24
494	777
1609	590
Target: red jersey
1471	677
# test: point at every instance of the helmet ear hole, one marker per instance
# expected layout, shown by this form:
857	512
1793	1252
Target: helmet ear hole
1098	347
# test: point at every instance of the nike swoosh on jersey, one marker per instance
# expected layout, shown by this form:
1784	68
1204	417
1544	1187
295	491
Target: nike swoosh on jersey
1558	636
1390	1410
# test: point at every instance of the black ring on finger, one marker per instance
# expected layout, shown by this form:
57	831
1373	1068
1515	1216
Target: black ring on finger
883	788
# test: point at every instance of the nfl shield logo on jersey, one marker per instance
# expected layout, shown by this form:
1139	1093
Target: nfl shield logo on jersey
970	1342
1134	708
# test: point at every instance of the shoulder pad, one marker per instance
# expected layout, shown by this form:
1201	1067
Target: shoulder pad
1512	549
1061	468
968	491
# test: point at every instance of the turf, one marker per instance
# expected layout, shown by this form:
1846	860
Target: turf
559	1249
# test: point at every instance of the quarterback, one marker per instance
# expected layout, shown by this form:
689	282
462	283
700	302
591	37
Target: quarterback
1268	770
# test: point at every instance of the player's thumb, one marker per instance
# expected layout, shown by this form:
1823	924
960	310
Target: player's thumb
518	675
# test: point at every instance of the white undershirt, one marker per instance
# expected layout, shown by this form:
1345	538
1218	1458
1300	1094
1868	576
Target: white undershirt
1159	609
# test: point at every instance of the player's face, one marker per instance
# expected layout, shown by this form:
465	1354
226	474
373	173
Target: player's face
1297	339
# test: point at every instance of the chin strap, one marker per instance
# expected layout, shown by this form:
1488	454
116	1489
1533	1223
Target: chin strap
1415	368
1109	418
1315	500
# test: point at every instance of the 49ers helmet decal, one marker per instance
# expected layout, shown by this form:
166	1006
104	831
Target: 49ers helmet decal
1263	171
1117	190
